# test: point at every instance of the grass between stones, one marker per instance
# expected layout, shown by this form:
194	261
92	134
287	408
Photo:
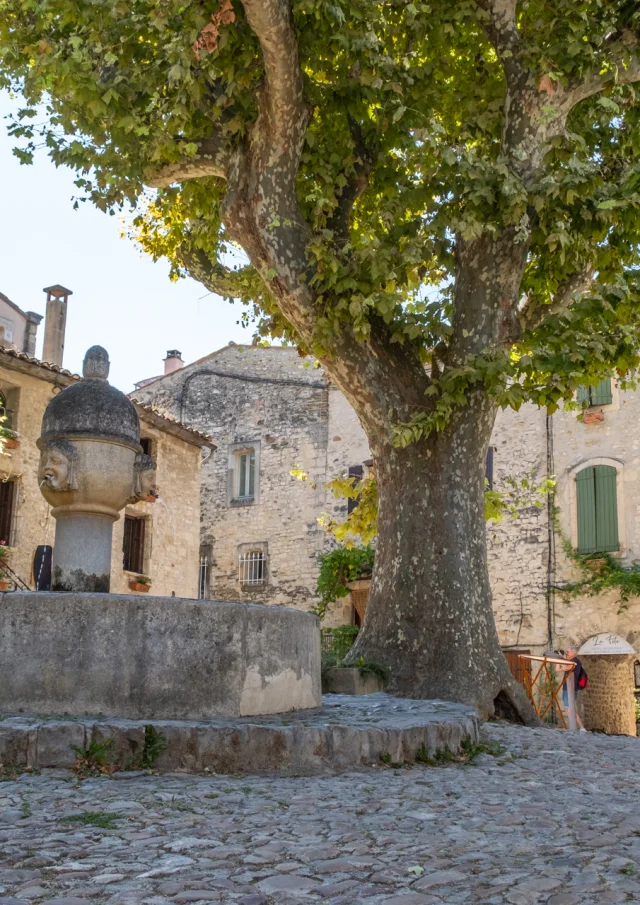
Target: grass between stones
444	756
99	819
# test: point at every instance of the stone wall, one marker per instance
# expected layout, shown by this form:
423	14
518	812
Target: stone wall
518	547
32	522
173	522
173	532
265	399
608	702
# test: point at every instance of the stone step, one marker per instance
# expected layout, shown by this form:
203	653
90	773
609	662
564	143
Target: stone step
347	732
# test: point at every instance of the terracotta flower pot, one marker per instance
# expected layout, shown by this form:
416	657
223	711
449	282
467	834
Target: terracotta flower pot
596	565
137	586
11	443
592	417
5	584
151	498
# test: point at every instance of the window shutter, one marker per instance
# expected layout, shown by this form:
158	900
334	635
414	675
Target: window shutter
601	394
586	492
606	509
582	396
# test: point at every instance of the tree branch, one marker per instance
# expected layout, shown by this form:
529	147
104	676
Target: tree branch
534	114
215	277
282	102
532	315
211	159
501	29
625	71
339	221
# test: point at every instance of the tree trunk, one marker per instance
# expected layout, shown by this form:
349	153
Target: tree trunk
429	616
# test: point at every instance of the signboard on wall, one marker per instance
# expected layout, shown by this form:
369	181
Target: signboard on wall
605	643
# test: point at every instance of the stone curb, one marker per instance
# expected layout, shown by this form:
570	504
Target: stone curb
347	733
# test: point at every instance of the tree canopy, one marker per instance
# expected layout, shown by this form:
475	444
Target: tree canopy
407	149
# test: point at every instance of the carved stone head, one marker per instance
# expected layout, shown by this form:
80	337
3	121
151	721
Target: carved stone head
58	465
144	476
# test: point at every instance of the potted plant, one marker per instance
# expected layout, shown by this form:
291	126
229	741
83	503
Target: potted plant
142	583
8	438
152	496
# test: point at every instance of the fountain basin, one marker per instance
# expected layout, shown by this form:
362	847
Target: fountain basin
154	658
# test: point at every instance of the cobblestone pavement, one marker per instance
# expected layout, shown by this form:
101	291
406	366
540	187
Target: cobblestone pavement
554	819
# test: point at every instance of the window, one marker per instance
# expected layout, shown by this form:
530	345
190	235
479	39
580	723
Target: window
133	545
245	474
203	573
7	502
598	395
597	509
145	443
252	568
5	411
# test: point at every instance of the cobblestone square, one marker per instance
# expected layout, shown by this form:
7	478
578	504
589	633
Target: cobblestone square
553	819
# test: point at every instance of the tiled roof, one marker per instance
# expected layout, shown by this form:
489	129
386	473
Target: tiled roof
42	364
205	438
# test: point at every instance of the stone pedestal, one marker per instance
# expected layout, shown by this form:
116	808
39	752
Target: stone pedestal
608	702
82	552
155	658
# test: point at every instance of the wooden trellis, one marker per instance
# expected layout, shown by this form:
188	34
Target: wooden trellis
543	691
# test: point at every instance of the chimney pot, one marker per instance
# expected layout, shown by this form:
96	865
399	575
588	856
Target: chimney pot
173	361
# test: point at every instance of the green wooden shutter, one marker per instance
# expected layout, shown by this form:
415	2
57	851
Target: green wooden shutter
586	492
582	396
606	509
601	394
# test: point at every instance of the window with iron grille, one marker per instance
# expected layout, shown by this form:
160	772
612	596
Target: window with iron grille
252	568
7	501
133	544
203	576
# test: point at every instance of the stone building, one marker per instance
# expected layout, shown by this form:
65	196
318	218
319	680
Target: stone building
159	539
268	410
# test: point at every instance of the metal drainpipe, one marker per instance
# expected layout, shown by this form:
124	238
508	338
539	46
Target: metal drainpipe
551	541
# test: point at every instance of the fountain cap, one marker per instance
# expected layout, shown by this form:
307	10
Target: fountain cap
92	408
96	364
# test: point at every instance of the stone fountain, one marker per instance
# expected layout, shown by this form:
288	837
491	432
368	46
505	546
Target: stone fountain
81	650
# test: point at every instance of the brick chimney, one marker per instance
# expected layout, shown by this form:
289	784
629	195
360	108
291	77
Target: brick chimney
173	361
55	324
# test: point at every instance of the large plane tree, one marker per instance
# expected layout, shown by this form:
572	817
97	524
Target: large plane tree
439	200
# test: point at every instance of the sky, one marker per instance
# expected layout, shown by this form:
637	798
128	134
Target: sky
121	300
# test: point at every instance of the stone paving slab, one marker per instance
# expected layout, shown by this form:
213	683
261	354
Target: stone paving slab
346	733
551	820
